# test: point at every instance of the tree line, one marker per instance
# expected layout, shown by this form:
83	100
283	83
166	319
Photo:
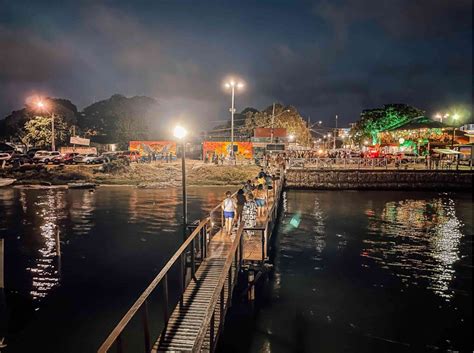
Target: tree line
117	119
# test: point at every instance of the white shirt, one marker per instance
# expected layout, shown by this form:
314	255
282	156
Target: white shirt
229	205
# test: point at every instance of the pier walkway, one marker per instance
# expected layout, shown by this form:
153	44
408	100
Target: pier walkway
205	269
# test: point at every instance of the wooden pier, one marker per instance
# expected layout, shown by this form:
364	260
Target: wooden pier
208	265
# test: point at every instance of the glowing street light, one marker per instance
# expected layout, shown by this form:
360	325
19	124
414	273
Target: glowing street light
232	85
291	137
180	133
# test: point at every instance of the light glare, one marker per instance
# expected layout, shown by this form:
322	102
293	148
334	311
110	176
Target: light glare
179	132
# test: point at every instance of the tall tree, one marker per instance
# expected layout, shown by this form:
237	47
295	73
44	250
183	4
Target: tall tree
285	117
38	131
13	126
119	118
390	116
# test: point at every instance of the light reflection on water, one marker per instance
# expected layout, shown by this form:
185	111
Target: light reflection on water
430	232
45	269
31	218
363	272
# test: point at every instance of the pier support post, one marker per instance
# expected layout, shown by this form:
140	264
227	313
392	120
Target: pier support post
251	292
1	265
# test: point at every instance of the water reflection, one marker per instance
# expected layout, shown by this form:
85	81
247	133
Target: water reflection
420	241
49	209
81	210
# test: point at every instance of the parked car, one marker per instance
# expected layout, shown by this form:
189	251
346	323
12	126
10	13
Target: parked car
110	156
67	158
132	156
31	153
45	156
19	158
89	158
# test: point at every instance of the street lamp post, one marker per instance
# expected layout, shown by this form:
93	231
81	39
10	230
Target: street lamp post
232	85
455	117
42	107
180	133
273	120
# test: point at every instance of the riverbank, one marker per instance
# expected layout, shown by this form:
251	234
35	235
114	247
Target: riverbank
153	175
379	179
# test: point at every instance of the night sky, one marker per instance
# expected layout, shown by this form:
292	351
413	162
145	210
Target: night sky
324	57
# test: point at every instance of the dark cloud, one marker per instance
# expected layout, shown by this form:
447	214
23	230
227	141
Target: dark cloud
325	57
399	18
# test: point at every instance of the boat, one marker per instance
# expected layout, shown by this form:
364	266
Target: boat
6	181
81	185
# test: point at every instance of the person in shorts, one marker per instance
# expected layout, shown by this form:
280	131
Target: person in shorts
260	199
229	207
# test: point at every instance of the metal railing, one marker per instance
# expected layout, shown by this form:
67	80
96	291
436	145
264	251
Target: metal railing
232	266
269	224
189	257
193	250
412	163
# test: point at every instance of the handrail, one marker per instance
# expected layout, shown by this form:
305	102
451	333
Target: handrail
393	163
215	295
112	338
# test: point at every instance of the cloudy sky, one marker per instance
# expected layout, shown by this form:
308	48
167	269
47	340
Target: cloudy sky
324	57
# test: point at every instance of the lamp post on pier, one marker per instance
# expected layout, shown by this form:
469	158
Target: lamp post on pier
42	106
180	133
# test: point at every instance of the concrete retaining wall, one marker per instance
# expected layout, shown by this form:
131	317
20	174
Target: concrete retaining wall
379	179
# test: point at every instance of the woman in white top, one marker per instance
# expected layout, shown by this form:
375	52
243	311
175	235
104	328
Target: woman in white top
228	206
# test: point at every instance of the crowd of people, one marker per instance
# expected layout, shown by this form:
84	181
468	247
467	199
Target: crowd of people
249	203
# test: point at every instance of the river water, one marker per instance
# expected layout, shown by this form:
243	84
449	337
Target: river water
113	240
354	271
364	272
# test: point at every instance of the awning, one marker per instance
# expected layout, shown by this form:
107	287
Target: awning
445	151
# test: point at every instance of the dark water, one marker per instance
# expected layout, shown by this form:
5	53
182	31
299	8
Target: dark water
114	241
364	272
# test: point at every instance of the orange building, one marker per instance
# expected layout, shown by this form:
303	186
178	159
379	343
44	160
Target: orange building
243	150
145	148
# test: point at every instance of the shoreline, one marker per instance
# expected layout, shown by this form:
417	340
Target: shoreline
147	176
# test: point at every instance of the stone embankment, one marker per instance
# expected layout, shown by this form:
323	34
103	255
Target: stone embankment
379	179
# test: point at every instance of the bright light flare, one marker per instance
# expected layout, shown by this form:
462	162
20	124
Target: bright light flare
179	132
456	116
291	137
232	83
41	105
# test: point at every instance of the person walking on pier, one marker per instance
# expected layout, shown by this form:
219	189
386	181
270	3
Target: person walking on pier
240	205
249	214
229	207
248	187
260	199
